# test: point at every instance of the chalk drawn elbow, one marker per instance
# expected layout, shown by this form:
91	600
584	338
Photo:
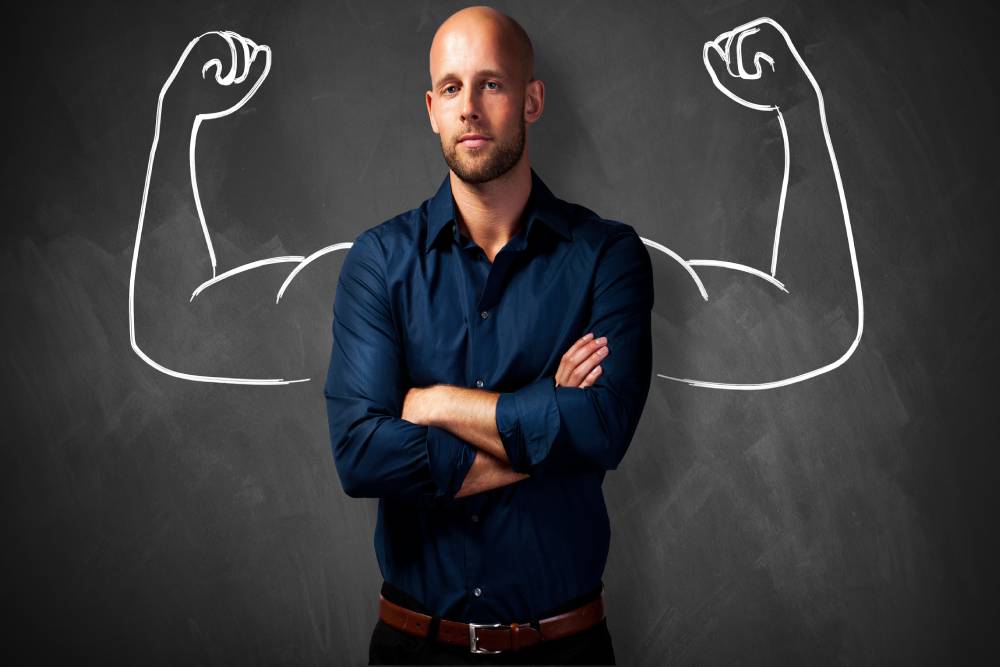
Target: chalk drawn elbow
192	377
306	261
692	274
783	382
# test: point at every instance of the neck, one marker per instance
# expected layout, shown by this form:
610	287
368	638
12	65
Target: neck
490	213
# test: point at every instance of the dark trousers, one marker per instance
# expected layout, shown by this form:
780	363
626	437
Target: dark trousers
390	646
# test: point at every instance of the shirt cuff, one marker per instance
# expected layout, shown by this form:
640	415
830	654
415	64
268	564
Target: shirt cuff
528	423
450	458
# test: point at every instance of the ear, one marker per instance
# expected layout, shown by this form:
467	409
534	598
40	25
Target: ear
534	100
428	98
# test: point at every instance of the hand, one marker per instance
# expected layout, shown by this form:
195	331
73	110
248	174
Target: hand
216	74
580	366
766	80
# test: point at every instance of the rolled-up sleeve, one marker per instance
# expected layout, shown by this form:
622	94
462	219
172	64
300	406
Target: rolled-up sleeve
378	454
542	425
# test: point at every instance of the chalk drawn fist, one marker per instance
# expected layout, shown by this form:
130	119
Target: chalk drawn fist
216	74
757	65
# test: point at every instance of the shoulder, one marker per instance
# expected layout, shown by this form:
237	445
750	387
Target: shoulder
618	253
598	233
402	233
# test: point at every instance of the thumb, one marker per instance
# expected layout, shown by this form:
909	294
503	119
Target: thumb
714	57
259	64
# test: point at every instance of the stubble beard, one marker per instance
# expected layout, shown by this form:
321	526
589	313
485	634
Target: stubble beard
473	168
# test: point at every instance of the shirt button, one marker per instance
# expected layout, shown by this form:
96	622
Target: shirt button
477	591
475	518
480	383
484	314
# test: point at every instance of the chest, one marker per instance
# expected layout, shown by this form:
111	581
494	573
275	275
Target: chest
498	326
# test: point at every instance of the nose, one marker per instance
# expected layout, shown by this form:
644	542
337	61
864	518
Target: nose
470	105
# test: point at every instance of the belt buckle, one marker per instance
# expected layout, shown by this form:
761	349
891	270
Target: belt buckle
473	640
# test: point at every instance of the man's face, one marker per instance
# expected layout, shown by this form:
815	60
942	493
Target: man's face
477	90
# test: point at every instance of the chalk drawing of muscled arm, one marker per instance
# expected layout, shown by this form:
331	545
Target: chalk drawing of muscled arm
217	73
757	65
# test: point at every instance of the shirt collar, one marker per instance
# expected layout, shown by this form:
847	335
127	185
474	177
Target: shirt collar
542	205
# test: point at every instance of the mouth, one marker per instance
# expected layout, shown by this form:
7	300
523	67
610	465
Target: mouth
473	140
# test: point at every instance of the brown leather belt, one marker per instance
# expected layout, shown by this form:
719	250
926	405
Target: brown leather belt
493	638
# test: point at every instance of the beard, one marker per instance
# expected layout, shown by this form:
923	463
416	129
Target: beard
482	166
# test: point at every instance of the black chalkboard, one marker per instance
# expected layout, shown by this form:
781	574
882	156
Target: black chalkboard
841	519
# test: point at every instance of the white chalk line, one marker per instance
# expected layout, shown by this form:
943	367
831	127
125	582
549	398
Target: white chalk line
250	51
245	267
680	260
721	45
228	79
305	262
740	267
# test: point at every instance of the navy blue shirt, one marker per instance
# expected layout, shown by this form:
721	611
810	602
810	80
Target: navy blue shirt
418	303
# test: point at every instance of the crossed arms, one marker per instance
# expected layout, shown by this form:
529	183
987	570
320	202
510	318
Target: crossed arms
438	443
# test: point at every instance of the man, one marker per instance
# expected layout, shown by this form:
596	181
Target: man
471	386
447	394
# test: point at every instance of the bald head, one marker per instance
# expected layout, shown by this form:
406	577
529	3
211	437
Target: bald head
484	25
483	94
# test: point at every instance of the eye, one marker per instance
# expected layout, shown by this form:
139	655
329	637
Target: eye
448	88
492	83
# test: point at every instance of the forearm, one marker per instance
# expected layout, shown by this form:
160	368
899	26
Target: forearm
171	248
469	414
811	246
381	456
487	473
571	428
597	435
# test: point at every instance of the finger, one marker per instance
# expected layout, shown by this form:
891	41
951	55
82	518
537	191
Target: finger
761	56
566	363
576	354
757	57
740	68
242	53
576	346
246	56
727	46
220	78
591	377
580	373
240	38
213	62
573	355
575	358
714	57
233	58
260	64
720	45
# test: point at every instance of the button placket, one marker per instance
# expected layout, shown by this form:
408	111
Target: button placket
484	348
